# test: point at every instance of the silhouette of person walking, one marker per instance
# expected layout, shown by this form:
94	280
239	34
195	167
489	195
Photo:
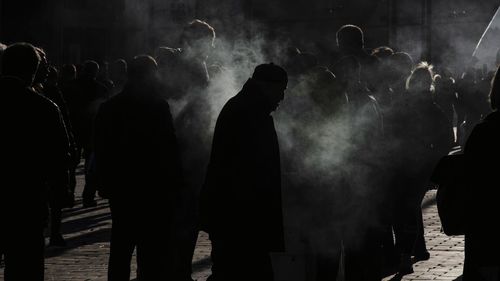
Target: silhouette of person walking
482	260
187	76
37	152
139	171
350	41
241	200
424	134
83	103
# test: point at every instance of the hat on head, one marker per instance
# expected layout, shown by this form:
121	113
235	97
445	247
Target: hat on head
270	73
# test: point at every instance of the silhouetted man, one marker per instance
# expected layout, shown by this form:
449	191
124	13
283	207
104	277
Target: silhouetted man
317	109
241	198
482	154
188	80
138	167
36	154
351	42
118	74
51	91
83	104
421	135
363	193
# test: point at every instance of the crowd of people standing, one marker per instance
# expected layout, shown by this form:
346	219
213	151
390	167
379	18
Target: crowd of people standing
364	130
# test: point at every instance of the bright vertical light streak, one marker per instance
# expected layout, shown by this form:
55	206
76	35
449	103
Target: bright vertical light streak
495	18
485	52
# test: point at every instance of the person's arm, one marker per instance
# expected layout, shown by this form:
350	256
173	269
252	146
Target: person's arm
169	147
58	153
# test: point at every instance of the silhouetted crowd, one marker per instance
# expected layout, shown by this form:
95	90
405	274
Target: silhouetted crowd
341	176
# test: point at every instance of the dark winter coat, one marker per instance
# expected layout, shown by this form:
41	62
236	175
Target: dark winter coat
242	192
482	152
35	154
137	158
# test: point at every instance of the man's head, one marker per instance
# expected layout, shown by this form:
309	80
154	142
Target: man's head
421	79
382	52
167	57
68	72
90	69
142	68
118	70
52	75
42	71
400	67
350	38
21	60
272	81
198	37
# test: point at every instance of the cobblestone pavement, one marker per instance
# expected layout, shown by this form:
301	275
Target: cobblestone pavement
87	232
447	253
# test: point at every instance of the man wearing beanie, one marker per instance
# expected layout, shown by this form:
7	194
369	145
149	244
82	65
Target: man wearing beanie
241	198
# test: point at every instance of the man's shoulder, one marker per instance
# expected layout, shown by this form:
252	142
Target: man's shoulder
235	105
40	101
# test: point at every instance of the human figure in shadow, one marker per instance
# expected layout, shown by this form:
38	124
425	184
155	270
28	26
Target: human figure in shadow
363	192
196	43
66	84
118	74
483	91
83	103
241	199
482	261
103	76
382	52
188	80
311	198
467	113
52	92
400	67
67	79
139	171
169	62
350	41
421	134
37	153
446	96
383	92
48	89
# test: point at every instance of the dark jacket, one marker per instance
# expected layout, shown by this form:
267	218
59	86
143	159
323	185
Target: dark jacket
482	154
420	135
83	103
242	192
137	158
35	154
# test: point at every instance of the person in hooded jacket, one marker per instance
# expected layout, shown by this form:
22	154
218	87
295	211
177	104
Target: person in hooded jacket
241	197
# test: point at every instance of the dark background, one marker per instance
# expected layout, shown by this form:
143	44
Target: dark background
74	30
